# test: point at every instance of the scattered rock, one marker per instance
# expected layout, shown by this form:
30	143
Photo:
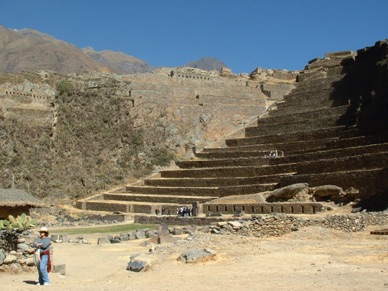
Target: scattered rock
195	256
60	269
103	240
139	263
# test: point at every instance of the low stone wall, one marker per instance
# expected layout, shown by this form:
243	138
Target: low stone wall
265	208
114	207
273	224
175	220
16	253
278	225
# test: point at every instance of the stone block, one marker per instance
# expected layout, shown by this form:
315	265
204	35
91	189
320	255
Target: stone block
239	213
131	235
266	209
54	237
276	208
64	238
195	256
136	266
103	240
296	209
308	209
140	263
286	208
59	269
124	237
140	234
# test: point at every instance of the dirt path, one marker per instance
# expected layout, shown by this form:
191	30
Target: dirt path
309	258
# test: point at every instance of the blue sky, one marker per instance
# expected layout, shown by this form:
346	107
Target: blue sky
245	34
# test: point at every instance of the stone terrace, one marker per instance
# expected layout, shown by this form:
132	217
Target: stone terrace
308	138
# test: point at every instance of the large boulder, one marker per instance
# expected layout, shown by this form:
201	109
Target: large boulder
2	256
195	256
139	263
289	192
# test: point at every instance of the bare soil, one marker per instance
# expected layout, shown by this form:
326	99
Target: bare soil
309	258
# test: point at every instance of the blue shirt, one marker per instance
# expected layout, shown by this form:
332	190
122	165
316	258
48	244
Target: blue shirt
46	242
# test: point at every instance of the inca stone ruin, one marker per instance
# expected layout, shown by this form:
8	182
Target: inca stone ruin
271	141
328	133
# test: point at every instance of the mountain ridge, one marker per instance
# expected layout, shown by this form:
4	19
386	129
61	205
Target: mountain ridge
30	49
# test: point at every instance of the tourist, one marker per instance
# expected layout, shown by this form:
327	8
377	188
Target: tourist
42	245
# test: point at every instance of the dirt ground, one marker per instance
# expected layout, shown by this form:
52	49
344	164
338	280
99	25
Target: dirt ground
309	258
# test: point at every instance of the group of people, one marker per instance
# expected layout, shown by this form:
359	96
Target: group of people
163	212
273	154
184	211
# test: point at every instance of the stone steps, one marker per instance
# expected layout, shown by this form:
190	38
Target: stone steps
230	162
292	148
310	115
267	129
332	153
189	190
262	149
361	140
291	108
319	81
215	182
360	161
324	133
326	94
299	157
178	199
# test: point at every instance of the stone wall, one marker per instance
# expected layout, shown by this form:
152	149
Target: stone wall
264	208
278	225
26	107
16	253
274	224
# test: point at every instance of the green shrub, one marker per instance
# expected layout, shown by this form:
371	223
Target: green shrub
20	223
65	87
162	157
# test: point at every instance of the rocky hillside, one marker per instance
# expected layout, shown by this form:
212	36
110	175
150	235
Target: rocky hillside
69	136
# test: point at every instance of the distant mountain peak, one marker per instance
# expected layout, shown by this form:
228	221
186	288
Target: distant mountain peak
207	63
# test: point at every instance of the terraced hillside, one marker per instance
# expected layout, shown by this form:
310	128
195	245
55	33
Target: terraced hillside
330	130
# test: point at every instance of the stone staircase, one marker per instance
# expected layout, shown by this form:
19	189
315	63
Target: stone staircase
303	140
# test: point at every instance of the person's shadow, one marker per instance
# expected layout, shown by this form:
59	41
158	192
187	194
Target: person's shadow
29	282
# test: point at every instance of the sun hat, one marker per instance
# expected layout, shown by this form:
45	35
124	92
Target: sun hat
44	229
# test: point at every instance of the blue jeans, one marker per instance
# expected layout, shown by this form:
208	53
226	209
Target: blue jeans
42	270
